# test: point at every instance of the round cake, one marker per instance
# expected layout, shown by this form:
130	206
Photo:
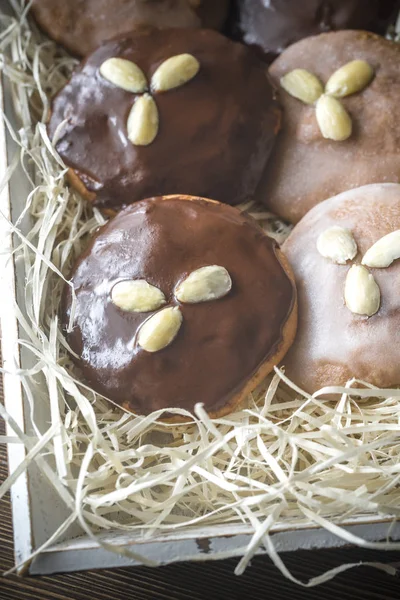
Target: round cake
166	111
354	81
344	255
82	26
180	300
273	26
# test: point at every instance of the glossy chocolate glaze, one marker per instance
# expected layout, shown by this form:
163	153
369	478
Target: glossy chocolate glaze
81	26
274	25
221	343
216	132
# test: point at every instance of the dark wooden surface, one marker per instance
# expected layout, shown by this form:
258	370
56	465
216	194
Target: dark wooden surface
213	580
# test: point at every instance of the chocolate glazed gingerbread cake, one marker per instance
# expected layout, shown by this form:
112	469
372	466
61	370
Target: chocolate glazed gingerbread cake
273	25
168	111
180	300
81	26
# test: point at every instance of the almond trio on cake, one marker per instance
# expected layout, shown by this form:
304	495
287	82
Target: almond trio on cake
181	298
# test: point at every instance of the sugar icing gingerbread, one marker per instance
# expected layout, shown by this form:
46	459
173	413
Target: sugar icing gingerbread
345	256
339	137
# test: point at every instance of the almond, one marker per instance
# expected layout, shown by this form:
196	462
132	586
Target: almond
333	119
204	284
361	293
384	251
303	85
174	72
337	244
353	77
124	74
137	296
142	123
160	329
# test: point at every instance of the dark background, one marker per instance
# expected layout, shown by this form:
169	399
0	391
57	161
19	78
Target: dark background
205	581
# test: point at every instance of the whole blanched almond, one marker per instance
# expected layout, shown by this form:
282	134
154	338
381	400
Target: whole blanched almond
137	296
160	330
384	251
204	284
174	72
124	74
333	119
353	77
303	85
361	293
143	121
337	244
